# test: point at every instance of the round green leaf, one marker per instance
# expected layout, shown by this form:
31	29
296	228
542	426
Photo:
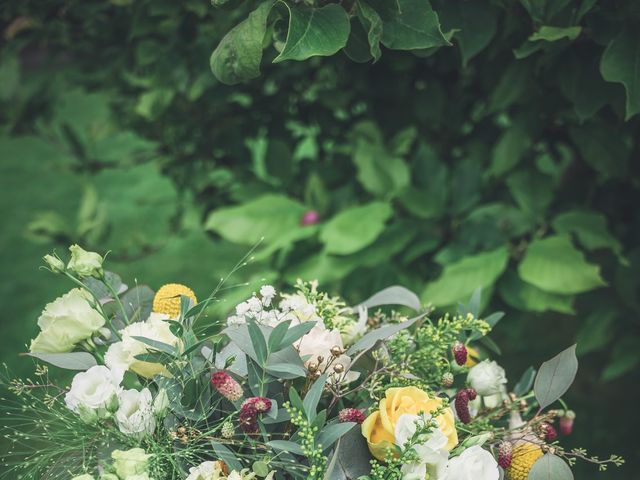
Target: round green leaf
555	265
550	467
355	228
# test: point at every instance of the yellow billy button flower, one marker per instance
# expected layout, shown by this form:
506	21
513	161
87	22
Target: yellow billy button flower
167	299
524	456
379	427
473	356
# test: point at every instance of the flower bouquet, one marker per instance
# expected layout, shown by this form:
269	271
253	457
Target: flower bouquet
286	386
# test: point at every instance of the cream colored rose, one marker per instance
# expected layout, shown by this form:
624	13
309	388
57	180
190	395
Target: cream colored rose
130	462
122	354
66	321
318	343
474	463
207	471
487	378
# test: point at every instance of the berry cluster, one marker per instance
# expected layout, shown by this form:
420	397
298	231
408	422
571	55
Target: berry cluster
249	412
462	404
227	386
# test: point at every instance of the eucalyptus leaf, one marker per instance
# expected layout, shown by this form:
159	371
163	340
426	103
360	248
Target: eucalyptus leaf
550	467
555	376
68	361
394	295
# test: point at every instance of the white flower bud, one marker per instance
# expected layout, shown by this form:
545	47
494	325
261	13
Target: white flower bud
83	263
54	263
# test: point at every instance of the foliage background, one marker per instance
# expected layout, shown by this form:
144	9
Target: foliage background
507	160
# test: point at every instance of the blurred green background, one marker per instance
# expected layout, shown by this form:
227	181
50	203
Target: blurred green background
505	161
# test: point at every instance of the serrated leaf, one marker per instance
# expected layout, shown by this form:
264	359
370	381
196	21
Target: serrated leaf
555	376
314	32
550	467
355	228
238	55
554	265
459	279
619	64
372	24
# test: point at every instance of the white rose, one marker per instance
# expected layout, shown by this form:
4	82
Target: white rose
474	463
432	452
135	413
487	378
122	354
96	389
83	263
66	321
206	471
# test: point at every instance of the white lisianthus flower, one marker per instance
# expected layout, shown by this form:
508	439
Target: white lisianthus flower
95	390
83	263
352	330
318	343
86	476
206	471
110	476
122	354
66	321
487	378
130	462
474	463
432	450
135	413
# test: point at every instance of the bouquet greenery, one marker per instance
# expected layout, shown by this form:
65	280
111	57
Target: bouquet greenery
287	386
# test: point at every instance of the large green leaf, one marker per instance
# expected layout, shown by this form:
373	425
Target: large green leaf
553	34
379	172
510	148
475	24
621	64
409	24
238	55
459	280
603	147
555	376
372	23
555	265
355	228
589	227
524	296
269	216
315	31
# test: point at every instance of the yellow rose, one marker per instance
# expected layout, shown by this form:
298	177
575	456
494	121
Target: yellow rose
379	427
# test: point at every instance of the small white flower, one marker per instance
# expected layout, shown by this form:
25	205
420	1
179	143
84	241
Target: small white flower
96	389
206	471
135	414
432	452
474	463
255	305
242	308
487	378
267	292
